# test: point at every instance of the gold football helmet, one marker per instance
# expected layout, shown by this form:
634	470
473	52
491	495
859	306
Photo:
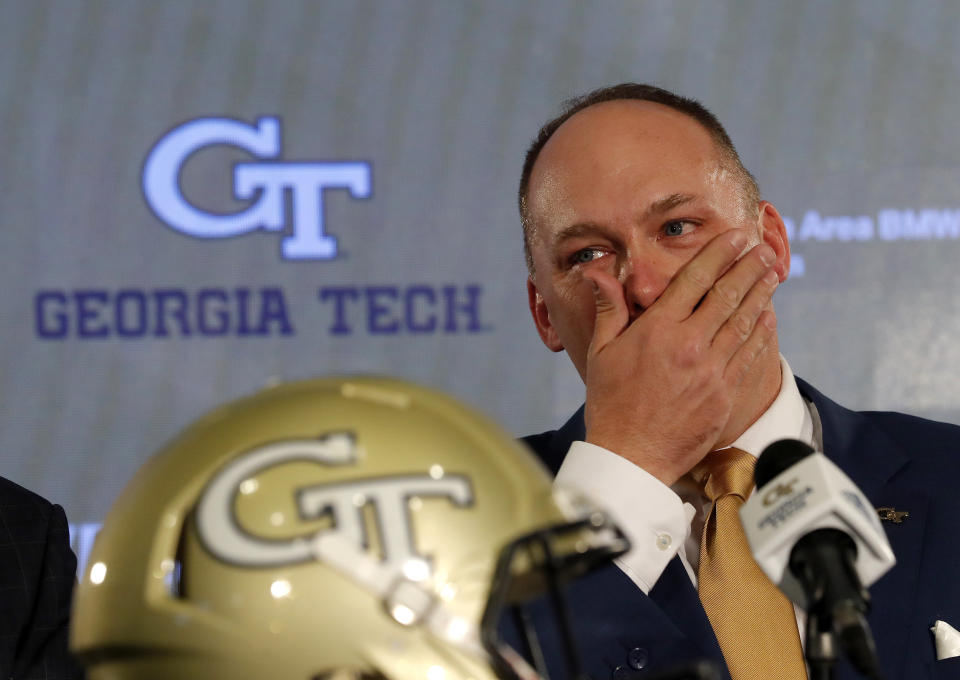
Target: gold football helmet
343	528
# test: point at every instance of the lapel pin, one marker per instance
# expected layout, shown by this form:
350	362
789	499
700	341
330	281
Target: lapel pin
892	515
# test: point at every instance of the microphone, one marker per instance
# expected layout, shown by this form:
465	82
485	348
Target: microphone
817	537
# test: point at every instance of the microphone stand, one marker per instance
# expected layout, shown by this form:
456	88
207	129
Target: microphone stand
821	648
822	561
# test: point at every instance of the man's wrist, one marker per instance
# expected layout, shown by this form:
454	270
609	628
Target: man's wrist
663	468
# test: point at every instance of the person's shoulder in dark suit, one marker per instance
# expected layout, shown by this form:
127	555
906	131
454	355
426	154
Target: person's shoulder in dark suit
37	576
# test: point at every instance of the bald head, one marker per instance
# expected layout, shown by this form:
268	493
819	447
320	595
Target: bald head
724	153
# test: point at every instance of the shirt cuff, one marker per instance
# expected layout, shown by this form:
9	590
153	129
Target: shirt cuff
648	511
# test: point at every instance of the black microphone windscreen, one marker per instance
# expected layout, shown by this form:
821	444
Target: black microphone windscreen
778	457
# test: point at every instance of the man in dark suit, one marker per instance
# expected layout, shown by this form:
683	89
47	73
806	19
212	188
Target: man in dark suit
652	263
37	575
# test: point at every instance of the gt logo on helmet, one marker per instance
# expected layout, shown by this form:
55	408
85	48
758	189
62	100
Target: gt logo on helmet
222	535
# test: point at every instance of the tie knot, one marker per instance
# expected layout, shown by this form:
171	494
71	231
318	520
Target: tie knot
725	472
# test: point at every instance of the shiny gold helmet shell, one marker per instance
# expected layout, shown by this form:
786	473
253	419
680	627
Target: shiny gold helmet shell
337	527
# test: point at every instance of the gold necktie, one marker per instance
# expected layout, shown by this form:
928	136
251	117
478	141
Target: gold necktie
753	621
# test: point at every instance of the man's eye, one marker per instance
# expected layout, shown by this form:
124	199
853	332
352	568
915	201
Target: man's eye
585	255
677	228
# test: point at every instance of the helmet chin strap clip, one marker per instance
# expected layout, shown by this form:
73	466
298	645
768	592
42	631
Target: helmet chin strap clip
409	602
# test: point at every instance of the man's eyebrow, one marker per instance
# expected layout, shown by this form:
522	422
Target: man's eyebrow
576	231
668	203
592	229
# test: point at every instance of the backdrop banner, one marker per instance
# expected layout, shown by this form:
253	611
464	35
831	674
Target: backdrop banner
203	197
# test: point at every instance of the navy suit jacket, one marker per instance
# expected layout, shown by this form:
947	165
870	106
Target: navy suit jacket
37	574
897	460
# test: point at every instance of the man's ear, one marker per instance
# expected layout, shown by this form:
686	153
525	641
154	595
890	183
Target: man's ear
541	317
774	233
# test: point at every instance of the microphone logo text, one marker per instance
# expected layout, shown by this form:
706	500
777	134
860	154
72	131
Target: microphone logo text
778	492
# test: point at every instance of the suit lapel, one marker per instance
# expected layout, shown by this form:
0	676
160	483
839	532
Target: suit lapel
878	466
674	593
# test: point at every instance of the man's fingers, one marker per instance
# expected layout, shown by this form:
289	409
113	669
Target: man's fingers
748	353
737	326
727	301
611	310
697	276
